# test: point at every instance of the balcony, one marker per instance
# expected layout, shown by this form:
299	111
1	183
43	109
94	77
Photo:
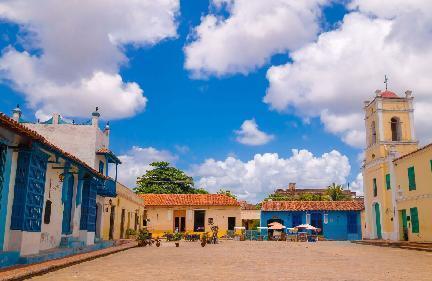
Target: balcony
107	188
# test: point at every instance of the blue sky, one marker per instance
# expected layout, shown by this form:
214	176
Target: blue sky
191	119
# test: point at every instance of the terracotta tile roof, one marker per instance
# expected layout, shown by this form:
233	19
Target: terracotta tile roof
105	150
388	94
413	152
22	130
313	206
189	200
247	206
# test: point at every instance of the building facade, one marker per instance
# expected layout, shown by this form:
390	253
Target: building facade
338	220
167	213
396	174
126	211
48	196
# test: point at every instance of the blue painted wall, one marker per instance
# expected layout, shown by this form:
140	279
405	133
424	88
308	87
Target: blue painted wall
5	169
335	229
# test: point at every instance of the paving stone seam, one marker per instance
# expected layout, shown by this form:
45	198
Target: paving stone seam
23	273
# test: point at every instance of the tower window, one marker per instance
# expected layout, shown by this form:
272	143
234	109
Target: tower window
395	129
373	133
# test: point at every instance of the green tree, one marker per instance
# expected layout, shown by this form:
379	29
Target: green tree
164	179
336	193
227	193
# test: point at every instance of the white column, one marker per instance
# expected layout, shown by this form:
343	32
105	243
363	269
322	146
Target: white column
393	155
380	120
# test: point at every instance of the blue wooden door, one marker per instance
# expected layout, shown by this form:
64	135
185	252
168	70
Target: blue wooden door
66	224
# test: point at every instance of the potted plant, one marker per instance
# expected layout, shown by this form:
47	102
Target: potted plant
131	233
143	238
176	238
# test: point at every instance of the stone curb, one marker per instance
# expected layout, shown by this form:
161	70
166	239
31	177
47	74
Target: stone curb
24	272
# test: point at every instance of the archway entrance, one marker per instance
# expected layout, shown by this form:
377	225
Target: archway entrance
377	221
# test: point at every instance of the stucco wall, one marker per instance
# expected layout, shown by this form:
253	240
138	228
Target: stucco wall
126	199
336	227
50	235
162	219
81	141
421	197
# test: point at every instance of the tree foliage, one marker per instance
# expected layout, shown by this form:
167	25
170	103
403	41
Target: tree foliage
164	179
336	193
227	193
333	192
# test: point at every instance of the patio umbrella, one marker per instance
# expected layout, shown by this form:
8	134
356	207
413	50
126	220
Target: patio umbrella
307	226
276	226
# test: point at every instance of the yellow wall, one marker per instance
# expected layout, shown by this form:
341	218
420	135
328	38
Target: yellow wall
378	158
421	197
162	218
126	200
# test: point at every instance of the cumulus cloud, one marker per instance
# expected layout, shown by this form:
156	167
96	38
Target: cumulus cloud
249	134
357	184
254	179
253	31
73	52
331	77
136	162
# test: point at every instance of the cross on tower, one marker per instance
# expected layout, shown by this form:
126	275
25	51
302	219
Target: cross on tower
386	81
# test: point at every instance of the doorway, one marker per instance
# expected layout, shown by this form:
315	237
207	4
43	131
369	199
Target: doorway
317	221
199	221
122	222
179	220
111	228
231	223
404	230
377	221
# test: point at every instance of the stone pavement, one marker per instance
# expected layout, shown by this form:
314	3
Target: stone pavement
23	272
253	260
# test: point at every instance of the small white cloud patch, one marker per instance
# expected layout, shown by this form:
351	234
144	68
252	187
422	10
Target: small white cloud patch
136	162
249	134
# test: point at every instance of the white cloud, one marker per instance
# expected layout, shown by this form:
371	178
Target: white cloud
136	162
332	77
357	184
253	32
249	134
74	51
254	179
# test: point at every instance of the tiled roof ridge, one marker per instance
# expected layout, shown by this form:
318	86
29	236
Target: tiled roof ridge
413	152
352	205
189	200
21	129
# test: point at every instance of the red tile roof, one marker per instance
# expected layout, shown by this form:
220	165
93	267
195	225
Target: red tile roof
413	152
34	136
106	151
247	206
388	94
188	200
312	206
